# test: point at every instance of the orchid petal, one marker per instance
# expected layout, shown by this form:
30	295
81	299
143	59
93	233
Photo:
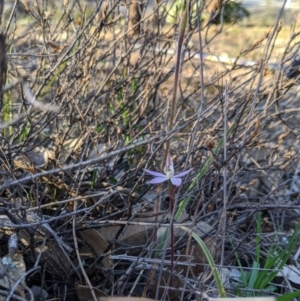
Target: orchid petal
154	173
158	180
169	161
176	181
181	174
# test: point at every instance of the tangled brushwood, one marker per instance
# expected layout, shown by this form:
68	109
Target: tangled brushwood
88	90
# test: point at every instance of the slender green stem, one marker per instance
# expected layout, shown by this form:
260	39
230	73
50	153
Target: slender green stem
172	202
171	121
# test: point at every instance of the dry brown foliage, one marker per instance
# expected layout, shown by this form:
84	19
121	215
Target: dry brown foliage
85	108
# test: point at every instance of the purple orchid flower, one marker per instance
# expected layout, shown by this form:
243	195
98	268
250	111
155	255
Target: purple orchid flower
169	174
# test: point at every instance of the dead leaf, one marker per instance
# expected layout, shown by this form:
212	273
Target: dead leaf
69	146
137	235
97	243
291	273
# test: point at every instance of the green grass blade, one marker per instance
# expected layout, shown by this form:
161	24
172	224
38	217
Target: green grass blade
289	296
276	259
253	275
210	260
202	172
258	236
